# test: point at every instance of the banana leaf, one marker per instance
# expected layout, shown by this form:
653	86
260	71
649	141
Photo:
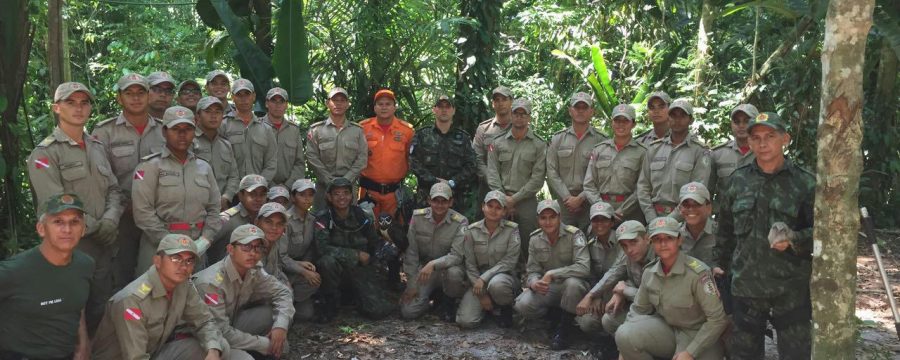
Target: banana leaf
291	55
255	65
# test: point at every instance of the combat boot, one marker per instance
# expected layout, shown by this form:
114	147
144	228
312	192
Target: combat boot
564	329
505	319
447	309
327	309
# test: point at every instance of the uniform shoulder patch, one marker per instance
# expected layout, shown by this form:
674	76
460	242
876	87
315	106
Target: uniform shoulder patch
472	226
535	232
421	211
142	290
231	211
148	157
510	224
107	121
352	123
458	217
696	265
47	141
571	229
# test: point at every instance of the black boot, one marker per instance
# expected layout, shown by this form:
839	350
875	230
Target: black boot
606	349
552	318
326	309
393	275
447	309
505	319
560	340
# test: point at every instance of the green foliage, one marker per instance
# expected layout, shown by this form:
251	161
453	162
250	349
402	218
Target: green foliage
255	65
291	60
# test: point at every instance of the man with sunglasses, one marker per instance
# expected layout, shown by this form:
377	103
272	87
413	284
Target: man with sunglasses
162	92
252	308
188	94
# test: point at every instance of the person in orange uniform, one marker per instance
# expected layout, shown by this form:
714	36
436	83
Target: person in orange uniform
388	138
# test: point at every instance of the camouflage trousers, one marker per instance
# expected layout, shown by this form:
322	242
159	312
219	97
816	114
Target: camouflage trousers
790	314
366	282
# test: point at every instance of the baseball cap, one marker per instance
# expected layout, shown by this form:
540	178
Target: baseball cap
521	104
276	91
502	90
246	234
443	97
695	191
630	229
339	182
185	83
748	109
208	101
624	110
302	185
65	90
178	115
159	77
252	181
172	244
440	189
278	191
216	73
61	202
132	79
241	84
337	90
602	209
769	119
581	97
662	95
385	92
664	225
495	195
548	204
682	104
272	208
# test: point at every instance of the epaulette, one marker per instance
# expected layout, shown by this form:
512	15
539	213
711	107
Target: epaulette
641	144
488	121
219	278
560	131
535	232
95	139
592	240
366	121
696	265
654	142
472	226
724	144
107	121
571	229
353	123
158	120
421	211
47	141
230	212
465	133
318	123
510	224
458	218
142	290
406	123
697	141
148	157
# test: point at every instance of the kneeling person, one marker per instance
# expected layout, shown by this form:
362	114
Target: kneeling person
298	250
272	219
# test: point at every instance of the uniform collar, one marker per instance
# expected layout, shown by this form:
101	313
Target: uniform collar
708	229
231	272
612	142
677	267
164	153
509	133
156	284
121	120
787	166
610	239
590	130
61	136
494	123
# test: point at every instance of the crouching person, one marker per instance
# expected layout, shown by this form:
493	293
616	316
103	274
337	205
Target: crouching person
298	250
252	308
558	263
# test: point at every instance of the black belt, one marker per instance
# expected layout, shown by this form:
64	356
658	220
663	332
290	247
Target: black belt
12	355
369	184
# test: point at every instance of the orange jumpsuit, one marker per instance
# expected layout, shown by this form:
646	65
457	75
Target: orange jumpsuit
387	164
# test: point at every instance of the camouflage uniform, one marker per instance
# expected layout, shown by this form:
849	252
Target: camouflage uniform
567	163
612	176
492	258
447	156
666	168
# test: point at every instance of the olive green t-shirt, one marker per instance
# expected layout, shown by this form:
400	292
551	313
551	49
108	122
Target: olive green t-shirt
41	303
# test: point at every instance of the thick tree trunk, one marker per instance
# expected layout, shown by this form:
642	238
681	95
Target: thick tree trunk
702	66
833	283
475	62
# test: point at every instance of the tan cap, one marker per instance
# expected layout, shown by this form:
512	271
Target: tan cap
65	90
208	101
630	229
664	225
337	90
440	189
495	195
548	204
252	181
272	208
246	234
502	90
172	244
602	209
159	77
682	104
241	84
216	73
276	91
581	97
695	191
178	115
662	95
521	104
278	191
443	97
185	83
748	109
302	185
623	110
132	79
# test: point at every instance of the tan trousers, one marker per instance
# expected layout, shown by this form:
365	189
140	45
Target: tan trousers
502	289
451	280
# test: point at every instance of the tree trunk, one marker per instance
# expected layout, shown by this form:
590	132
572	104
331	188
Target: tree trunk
476	61
701	67
839	164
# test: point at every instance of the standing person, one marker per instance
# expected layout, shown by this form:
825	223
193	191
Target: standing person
733	154
291	158
676	313
433	260
210	145
568	157
698	231
251	197
140	319
335	147
658	112
516	167
298	250
253	141
187	94
43	290
69	161
501	103
218	84
672	162
764	241
252	308
174	191
490	251
162	92
615	166
129	137
388	140
443	153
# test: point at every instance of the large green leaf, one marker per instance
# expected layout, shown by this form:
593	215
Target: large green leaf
602	73
291	57
254	63
779	7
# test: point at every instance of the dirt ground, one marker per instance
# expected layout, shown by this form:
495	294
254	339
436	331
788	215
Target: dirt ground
353	337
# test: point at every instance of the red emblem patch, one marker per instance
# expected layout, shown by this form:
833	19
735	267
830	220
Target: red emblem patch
211	299
133	314
42	163
320	225
139	175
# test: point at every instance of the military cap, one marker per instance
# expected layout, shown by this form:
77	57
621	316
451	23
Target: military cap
340	182
278	191
208	101
160	77
178	115
523	104
502	90
581	97
443	97
276	91
246	234
185	83
65	90
252	181
682	104
132	79
302	185
695	191
385	93
602	209
748	109
548	204
241	84
440	189
769	119
216	73
495	195
61	202
272	208
624	110
172	244
337	90
630	229
664	225
662	95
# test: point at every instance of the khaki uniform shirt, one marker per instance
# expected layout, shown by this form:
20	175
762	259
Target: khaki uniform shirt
604	254
125	147
567	160
336	152
166	192
140	318
222	288
298	243
429	241
517	167
291	157
484	136
612	175
725	159
567	258
219	154
254	146
648	137
623	270
489	254
686	298
231	219
702	247
667	168
57	165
